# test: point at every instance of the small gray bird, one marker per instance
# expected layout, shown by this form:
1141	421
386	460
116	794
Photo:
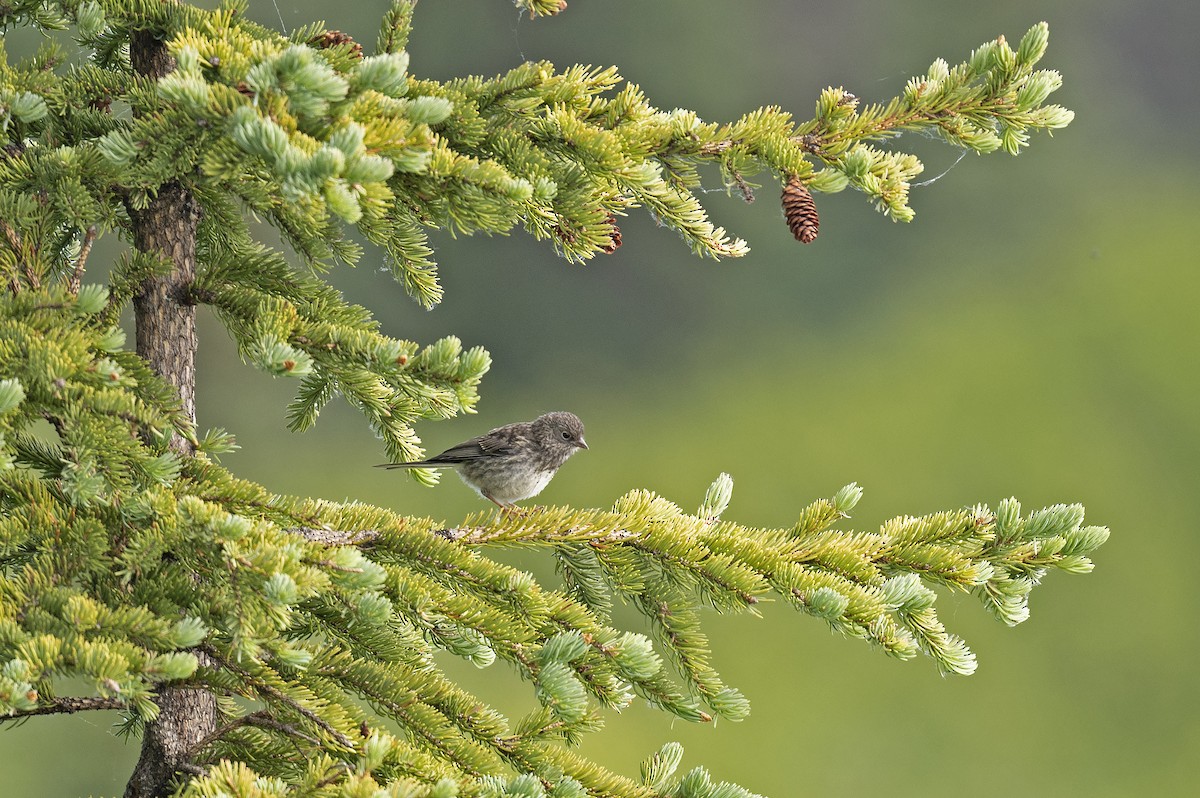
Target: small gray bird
512	462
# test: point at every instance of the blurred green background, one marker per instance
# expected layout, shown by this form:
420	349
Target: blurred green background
1033	333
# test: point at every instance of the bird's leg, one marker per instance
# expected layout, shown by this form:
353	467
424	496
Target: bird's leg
505	508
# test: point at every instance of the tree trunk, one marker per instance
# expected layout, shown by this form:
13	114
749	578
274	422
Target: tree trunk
164	315
166	337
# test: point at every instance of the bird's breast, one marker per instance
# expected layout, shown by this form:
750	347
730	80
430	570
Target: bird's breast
510	485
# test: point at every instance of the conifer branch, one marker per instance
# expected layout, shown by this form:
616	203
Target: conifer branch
855	581
408	713
67	705
85	249
396	27
270	693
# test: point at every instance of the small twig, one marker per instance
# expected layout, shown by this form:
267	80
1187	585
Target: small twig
509	744
85	249
14	241
201	296
304	340
262	719
68	706
743	186
335	537
267	690
220	732
337	772
481	535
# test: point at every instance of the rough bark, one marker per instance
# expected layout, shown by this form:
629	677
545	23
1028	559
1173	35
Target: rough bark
166	337
165	317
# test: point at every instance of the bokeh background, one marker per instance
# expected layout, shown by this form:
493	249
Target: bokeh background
1032	333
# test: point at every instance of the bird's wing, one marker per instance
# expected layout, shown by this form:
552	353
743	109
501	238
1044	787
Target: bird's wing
489	445
494	444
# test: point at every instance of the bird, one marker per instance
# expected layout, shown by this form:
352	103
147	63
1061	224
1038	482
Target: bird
512	462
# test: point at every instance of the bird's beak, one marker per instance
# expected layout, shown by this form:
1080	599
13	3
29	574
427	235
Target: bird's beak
582	444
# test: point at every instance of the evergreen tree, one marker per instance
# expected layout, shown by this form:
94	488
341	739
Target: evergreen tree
264	645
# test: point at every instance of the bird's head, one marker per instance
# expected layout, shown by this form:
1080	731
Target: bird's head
560	433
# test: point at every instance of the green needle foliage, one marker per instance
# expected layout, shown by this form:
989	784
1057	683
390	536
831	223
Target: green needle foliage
131	560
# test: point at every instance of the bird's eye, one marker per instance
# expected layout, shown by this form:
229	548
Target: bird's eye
566	435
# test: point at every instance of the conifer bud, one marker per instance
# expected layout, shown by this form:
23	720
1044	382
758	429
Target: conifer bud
615	241
800	211
333	38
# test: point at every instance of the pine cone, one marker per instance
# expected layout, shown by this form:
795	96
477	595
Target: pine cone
800	211
332	38
616	237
